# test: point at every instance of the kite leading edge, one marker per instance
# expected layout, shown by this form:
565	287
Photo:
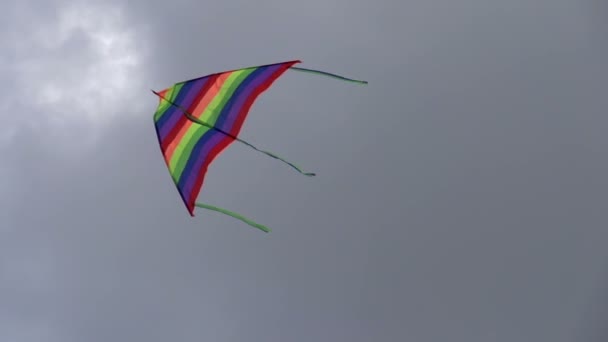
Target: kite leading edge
199	118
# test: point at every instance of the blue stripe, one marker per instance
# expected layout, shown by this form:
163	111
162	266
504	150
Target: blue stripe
240	89
188	101
171	111
207	136
179	190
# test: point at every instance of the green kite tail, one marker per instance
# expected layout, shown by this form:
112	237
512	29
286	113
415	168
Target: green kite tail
324	73
235	215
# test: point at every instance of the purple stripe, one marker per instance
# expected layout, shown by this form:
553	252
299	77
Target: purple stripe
226	120
177	113
213	138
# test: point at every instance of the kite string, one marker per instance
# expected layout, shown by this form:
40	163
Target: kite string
196	120
324	73
235	215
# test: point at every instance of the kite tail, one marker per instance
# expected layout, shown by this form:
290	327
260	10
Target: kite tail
196	120
235	215
297	168
318	72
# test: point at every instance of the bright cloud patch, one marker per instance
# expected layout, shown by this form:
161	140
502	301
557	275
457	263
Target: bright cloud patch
78	72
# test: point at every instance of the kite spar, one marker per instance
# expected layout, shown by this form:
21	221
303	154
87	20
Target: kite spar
197	119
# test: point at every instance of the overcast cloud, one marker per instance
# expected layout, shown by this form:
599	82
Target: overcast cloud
460	196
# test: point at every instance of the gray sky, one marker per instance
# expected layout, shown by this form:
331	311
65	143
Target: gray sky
460	196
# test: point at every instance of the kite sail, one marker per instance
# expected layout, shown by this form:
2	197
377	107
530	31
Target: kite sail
197	119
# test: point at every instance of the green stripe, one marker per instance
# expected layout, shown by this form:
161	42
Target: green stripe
162	108
164	105
195	132
212	112
186	145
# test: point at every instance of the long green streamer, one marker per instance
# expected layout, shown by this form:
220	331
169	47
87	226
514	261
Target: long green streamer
195	119
318	72
235	215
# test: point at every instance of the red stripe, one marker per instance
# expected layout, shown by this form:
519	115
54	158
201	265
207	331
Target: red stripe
235	130
183	119
203	171
238	122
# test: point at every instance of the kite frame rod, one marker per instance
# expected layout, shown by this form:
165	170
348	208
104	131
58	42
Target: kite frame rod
192	118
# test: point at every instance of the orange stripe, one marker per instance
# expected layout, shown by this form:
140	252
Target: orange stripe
199	108
163	93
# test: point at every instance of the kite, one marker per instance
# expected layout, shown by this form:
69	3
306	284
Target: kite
198	119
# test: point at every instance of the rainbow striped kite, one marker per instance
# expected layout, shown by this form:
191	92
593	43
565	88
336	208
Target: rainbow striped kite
197	119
